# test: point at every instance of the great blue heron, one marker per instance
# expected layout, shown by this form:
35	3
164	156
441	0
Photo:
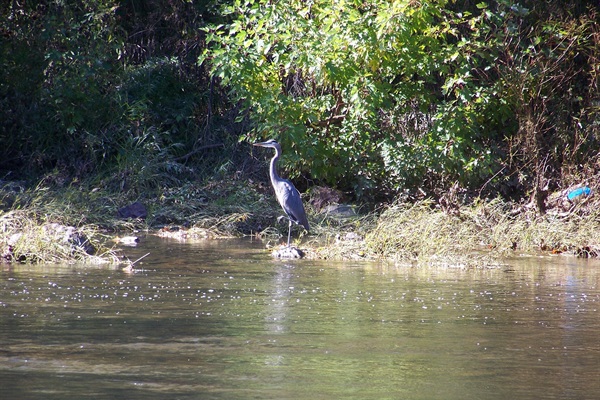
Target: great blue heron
287	195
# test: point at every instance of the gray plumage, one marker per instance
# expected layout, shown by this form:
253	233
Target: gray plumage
287	195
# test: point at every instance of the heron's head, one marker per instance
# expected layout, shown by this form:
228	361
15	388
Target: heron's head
272	143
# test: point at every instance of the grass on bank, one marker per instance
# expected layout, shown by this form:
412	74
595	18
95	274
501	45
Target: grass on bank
477	234
482	232
25	238
474	235
214	209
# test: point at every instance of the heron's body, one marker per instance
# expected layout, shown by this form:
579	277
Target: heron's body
287	195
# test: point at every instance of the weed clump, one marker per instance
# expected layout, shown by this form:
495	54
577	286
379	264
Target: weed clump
481	232
413	231
24	238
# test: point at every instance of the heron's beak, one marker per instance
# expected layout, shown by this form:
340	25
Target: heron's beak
260	144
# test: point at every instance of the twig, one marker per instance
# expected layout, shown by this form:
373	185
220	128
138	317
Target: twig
489	180
142	257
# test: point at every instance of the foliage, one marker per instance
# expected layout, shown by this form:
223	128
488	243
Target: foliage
372	97
391	94
61	98
549	75
106	88
336	80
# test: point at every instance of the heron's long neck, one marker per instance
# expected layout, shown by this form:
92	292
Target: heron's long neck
273	171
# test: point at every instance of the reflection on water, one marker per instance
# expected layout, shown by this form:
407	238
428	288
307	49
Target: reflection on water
221	320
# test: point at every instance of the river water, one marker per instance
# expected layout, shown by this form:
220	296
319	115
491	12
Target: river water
222	320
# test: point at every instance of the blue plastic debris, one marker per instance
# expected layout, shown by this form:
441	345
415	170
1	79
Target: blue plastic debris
579	192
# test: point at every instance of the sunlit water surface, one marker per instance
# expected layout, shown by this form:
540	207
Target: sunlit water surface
222	320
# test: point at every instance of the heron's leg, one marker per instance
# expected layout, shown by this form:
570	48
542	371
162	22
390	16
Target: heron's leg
289	232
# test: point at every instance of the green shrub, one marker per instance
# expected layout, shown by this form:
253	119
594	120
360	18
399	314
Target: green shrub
400	94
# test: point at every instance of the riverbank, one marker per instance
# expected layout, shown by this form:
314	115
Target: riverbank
79	223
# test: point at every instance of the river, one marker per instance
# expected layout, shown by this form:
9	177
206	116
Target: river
222	320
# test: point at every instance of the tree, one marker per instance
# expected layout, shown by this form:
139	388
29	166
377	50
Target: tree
364	93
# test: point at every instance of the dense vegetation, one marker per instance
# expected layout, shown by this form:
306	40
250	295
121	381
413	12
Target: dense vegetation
405	94
372	97
379	99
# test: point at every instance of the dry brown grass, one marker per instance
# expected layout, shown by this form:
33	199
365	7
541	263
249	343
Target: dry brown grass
481	232
423	233
24	238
